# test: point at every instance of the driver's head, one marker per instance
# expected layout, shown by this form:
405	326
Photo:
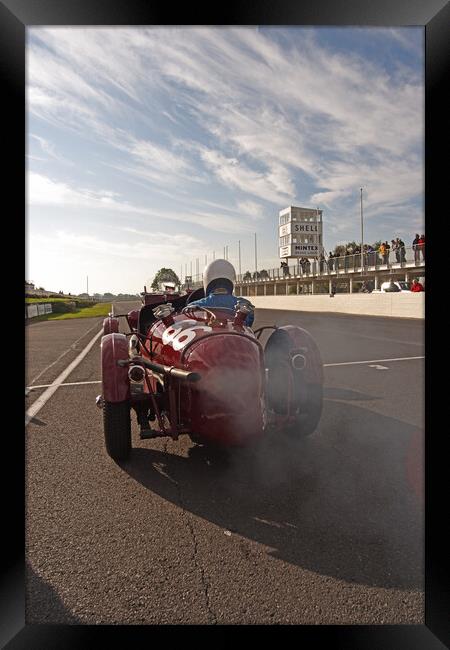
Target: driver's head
219	274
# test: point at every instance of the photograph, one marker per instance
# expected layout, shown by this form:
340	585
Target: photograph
225	325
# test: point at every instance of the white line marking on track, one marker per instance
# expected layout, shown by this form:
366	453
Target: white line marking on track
325	365
69	383
353	363
387	340
72	347
378	367
39	403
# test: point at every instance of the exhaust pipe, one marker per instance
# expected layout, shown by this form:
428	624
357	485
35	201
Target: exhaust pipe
172	371
136	374
99	401
298	362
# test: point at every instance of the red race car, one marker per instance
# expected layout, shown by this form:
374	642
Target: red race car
204	373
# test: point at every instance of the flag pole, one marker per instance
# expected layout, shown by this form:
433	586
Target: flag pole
362	234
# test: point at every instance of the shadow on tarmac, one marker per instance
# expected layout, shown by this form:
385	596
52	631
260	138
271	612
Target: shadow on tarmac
340	503
39	422
330	392
44	602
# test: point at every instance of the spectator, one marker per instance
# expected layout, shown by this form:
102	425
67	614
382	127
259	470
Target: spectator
386	254
416	250
402	250
392	288
337	257
396	249
421	246
416	286
382	252
330	261
321	262
284	266
371	255
305	264
347	256
365	258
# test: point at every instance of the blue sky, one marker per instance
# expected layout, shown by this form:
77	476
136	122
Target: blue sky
151	147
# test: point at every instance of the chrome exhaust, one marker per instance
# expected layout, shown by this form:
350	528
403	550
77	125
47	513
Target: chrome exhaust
99	401
298	361
136	374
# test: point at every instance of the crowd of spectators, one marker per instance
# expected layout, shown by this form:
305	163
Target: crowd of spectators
377	254
345	257
303	262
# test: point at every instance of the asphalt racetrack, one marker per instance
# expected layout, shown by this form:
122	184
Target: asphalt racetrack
326	531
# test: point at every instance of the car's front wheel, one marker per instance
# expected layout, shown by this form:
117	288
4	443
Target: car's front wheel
117	429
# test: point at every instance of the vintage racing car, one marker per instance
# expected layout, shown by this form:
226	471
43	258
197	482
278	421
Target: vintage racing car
203	372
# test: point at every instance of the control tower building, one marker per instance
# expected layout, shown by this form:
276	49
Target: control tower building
300	232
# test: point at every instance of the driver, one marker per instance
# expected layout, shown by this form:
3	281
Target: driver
218	281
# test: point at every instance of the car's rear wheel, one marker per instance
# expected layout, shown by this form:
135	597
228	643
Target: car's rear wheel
309	413
294	392
117	429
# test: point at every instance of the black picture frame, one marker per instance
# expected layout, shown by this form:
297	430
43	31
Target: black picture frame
434	16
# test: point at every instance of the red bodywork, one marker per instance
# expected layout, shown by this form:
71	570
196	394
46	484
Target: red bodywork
224	406
240	388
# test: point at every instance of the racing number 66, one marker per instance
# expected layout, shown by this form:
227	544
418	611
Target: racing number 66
181	337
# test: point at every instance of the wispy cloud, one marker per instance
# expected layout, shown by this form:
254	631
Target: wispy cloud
220	128
274	111
43	191
49	148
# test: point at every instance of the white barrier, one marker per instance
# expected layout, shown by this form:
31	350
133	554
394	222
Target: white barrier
32	311
37	309
398	305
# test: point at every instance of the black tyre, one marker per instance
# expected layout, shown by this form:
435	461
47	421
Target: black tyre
117	429
304	399
309	412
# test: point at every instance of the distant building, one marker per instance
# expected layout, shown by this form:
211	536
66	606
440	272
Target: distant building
300	232
29	286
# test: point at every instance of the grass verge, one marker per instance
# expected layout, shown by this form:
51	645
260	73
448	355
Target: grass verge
99	309
37	301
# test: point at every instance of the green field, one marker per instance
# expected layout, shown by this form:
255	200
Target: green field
99	309
29	301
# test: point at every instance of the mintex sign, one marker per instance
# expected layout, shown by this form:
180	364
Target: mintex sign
302	249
